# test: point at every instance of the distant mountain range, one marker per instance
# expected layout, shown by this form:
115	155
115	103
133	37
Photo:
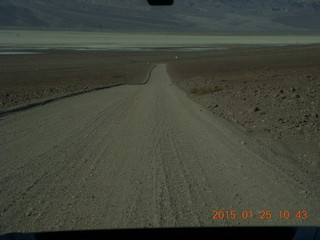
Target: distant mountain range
212	16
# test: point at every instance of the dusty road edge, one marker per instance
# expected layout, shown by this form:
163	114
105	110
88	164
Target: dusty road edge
41	103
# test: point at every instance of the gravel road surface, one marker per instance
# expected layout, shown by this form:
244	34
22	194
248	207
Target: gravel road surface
141	156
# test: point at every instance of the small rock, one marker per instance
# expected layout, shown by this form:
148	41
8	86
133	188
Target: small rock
215	106
29	211
256	109
267	130
303	192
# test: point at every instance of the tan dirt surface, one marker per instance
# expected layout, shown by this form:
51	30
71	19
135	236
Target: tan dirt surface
273	92
142	156
33	78
26	79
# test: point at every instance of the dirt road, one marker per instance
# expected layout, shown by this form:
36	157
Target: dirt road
141	156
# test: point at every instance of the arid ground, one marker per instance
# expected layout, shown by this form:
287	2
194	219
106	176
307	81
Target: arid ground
26	79
186	134
30	78
273	92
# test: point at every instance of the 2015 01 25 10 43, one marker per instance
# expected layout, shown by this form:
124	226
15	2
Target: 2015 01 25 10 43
262	214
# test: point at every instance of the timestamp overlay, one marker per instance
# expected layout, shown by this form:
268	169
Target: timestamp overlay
284	217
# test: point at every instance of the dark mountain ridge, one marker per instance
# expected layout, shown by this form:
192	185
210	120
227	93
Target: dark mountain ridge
184	16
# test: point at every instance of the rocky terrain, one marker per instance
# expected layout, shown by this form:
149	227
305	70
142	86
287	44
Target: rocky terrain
34	78
148	156
274	93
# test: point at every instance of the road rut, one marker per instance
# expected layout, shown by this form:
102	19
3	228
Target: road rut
141	156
